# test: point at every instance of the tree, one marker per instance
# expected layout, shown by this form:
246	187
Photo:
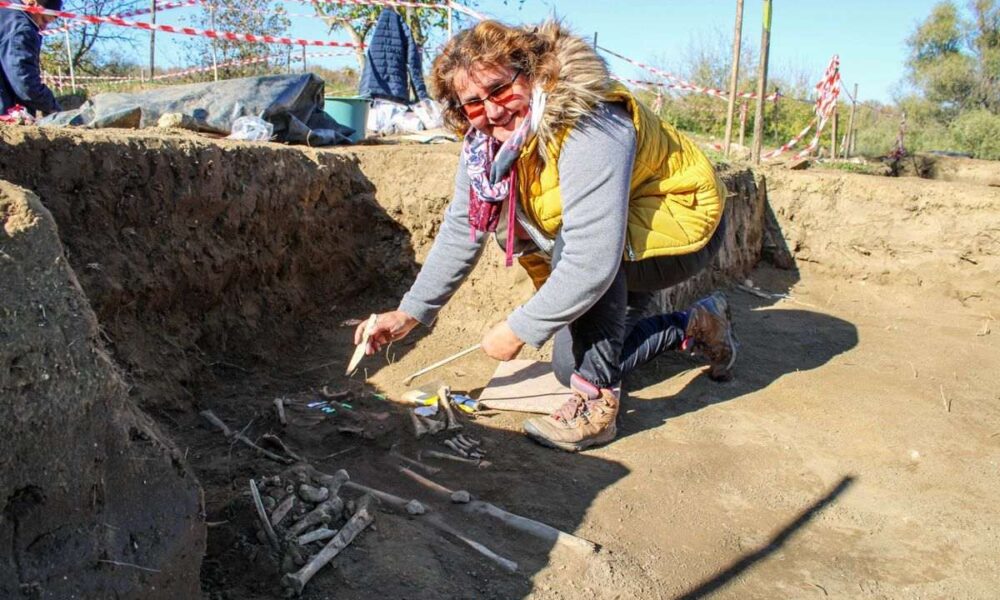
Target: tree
258	17
88	42
955	61
358	21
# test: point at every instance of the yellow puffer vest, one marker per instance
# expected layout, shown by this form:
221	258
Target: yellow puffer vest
675	200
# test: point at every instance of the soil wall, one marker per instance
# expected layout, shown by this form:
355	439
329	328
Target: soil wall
95	502
934	236
200	257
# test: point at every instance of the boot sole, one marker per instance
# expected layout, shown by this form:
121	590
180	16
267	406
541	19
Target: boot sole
609	434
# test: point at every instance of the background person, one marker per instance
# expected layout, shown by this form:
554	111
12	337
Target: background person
20	52
602	203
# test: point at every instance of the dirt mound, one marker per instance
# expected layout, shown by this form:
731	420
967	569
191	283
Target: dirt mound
96	503
938	236
201	259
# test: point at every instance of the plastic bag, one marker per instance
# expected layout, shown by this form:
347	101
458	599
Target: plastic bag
429	114
251	129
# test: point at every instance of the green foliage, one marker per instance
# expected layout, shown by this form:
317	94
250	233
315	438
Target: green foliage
244	16
978	132
955	60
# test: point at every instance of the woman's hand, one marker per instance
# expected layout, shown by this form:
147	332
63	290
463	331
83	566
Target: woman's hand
389	327
501	343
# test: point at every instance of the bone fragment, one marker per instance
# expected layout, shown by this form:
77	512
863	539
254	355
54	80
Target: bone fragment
217	422
433	426
283	509
468	440
330	482
435	520
326	393
390	500
321	515
505	563
275	441
482	464
279	407
414	463
262	515
312	494
458	450
271	481
529	526
444	400
363	517
460	497
419	429
295	552
316	535
415	508
462	445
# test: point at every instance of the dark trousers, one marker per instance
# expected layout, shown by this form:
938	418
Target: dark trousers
613	338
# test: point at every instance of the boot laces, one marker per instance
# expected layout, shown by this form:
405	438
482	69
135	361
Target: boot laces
574	407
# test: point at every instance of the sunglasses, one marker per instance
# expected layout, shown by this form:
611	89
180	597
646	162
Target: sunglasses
501	94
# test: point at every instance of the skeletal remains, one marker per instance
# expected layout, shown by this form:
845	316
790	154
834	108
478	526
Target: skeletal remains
306	526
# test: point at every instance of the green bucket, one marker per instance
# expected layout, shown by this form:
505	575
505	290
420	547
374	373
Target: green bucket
352	112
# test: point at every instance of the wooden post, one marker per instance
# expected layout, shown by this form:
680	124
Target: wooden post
152	40
450	15
734	75
849	146
69	58
215	57
765	44
744	110
833	134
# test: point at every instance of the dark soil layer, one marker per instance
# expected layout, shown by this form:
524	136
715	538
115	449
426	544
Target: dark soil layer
95	502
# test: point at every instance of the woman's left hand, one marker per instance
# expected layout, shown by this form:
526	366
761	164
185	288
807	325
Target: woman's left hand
501	343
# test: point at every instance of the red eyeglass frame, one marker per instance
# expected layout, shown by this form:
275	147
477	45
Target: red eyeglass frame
501	94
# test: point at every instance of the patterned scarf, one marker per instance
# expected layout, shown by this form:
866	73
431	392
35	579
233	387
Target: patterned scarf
490	165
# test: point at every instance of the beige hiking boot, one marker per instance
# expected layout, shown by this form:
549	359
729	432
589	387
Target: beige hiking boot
710	333
586	419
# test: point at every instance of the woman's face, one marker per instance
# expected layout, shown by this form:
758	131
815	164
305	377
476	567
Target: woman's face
494	99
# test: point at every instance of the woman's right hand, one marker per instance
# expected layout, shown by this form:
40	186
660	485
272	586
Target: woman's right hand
389	327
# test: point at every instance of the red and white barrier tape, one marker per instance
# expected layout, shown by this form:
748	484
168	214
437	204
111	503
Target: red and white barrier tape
245	62
209	33
682	84
790	143
124	15
60	80
827	90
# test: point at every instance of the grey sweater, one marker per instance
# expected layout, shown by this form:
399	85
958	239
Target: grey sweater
595	169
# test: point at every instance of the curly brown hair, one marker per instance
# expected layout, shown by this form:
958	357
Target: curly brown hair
490	44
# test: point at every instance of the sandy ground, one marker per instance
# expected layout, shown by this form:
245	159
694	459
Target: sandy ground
855	455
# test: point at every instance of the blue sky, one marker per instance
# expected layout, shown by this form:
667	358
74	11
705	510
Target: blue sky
868	35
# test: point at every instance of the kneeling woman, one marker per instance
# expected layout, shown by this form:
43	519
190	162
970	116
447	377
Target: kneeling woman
602	203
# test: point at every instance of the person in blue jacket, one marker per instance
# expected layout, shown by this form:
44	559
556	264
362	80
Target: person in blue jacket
393	62
20	51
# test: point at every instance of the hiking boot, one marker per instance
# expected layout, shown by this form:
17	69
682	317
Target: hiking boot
586	419
710	333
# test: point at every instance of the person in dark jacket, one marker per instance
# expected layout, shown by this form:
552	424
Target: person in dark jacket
393	62
20	51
